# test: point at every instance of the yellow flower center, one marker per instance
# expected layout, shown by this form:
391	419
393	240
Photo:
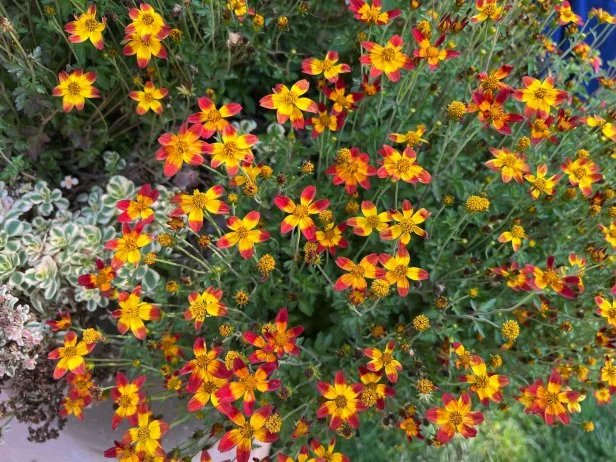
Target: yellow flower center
489	10
541	93
231	149
101	279
341	402
408	226
290	98
432	52
280	339
611	313
131	311
209	387
388	54
369	396
351	168
143	434
403	165
455	418
496	112
242	232
358	271
580	172
552	398
247	432
551	277
481	381
90	24
610	370
329	234
213	115
148	97
373	221
199	309
386	358
125	401
400	271
327	65
540	184
491	83
73	89
412	138
202	361
249	382
70	352
301	211
130	244
147	19
517	231
181	147
200	200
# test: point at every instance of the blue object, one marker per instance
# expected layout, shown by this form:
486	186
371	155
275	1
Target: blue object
582	8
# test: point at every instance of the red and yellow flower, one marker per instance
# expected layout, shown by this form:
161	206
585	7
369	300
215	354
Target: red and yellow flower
70	356
204	366
147	434
205	393
606	310
514	236
399	272
139	209
603	396
539	96
342	100
100	280
608	374
145	21
242	437
342	402
356	275
431	52
247	383
550	401
299	215
455	417
75	88
328	66
122	452
243	234
289	103
213	119
384	360
185	146
198	203
276	341
326	454
239	8
583	173
492	81
487	9
324	120
491	112
388	59
487	385
540	184
411	138
371	221
541	129
148	98
352	168
127	247
145	46
73	404
406	224
372	13
127	396
566	14
374	392
370	87
87	27
402	166
64	323
410	425
330	237
133	312
511	165
551	278
204	305
232	150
